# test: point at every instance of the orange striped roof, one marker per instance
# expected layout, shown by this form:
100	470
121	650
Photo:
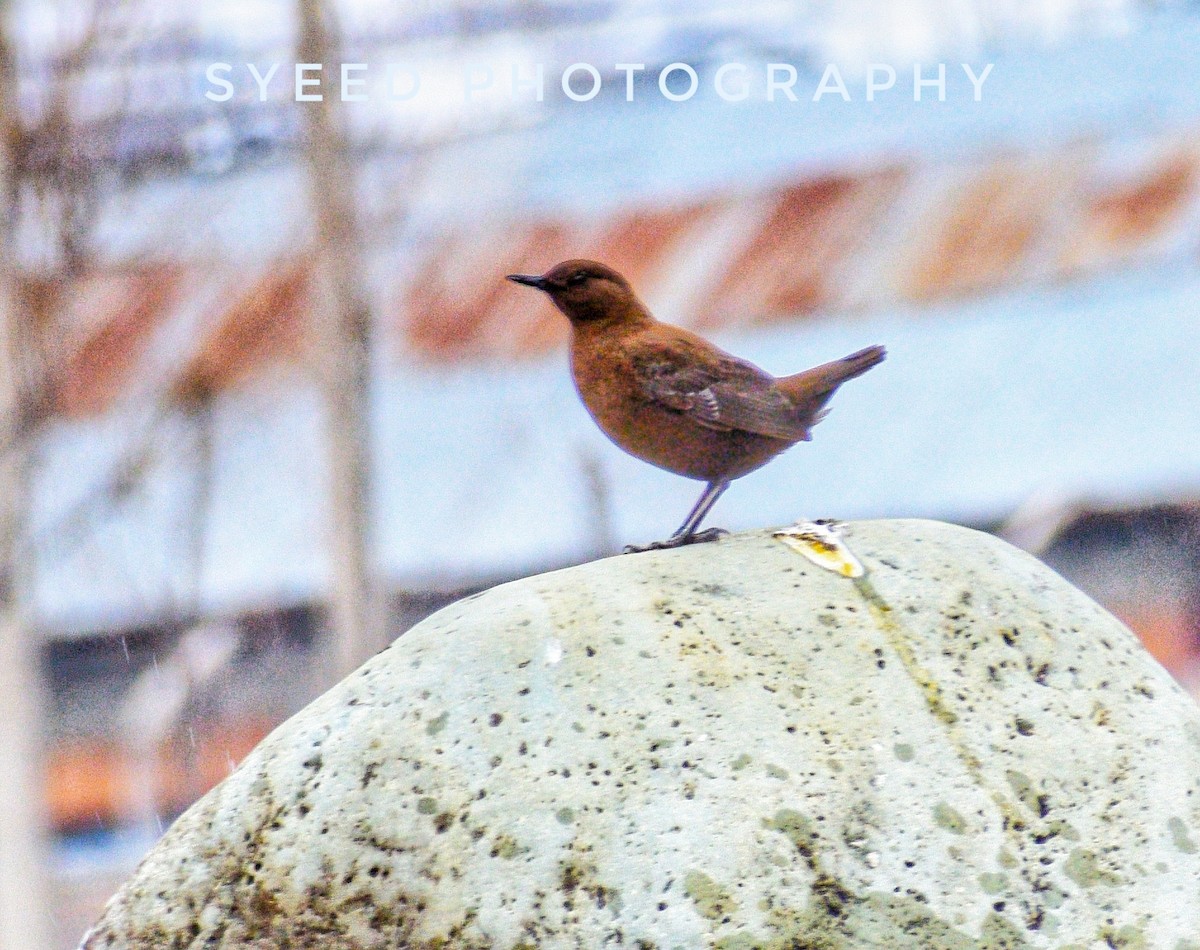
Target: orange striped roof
897	236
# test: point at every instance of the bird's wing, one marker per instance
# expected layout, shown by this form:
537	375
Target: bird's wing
718	391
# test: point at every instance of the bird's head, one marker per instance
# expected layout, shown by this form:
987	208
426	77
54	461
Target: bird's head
585	291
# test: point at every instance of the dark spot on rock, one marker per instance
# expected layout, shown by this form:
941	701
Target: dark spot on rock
832	895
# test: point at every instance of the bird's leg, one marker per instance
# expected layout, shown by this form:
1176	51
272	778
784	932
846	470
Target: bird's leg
687	531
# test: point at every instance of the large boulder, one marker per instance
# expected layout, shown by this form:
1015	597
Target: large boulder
726	746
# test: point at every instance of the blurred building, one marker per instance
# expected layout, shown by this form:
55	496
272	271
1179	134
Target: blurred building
1032	261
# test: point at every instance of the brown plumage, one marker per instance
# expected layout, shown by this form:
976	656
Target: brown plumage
673	399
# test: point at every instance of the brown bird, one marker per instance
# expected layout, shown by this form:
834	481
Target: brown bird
673	399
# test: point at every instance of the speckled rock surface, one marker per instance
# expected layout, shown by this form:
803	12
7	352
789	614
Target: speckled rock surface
721	746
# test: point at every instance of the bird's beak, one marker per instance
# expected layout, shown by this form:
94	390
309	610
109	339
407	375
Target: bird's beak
529	280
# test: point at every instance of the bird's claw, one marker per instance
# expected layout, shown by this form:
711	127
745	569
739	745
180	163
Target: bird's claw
703	537
677	541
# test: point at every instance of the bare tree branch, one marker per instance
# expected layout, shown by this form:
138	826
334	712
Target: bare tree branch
23	918
342	339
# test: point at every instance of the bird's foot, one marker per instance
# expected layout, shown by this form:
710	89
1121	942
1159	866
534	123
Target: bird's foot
677	541
703	537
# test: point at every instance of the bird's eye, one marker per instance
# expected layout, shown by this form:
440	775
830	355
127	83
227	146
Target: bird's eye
577	278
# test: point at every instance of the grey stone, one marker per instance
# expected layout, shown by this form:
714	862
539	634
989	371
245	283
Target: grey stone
720	746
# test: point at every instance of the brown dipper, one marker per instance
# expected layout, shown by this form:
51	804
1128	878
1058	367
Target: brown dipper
673	399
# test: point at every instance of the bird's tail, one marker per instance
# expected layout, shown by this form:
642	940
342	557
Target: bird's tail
810	390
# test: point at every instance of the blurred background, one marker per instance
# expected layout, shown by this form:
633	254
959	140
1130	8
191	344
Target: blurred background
267	401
